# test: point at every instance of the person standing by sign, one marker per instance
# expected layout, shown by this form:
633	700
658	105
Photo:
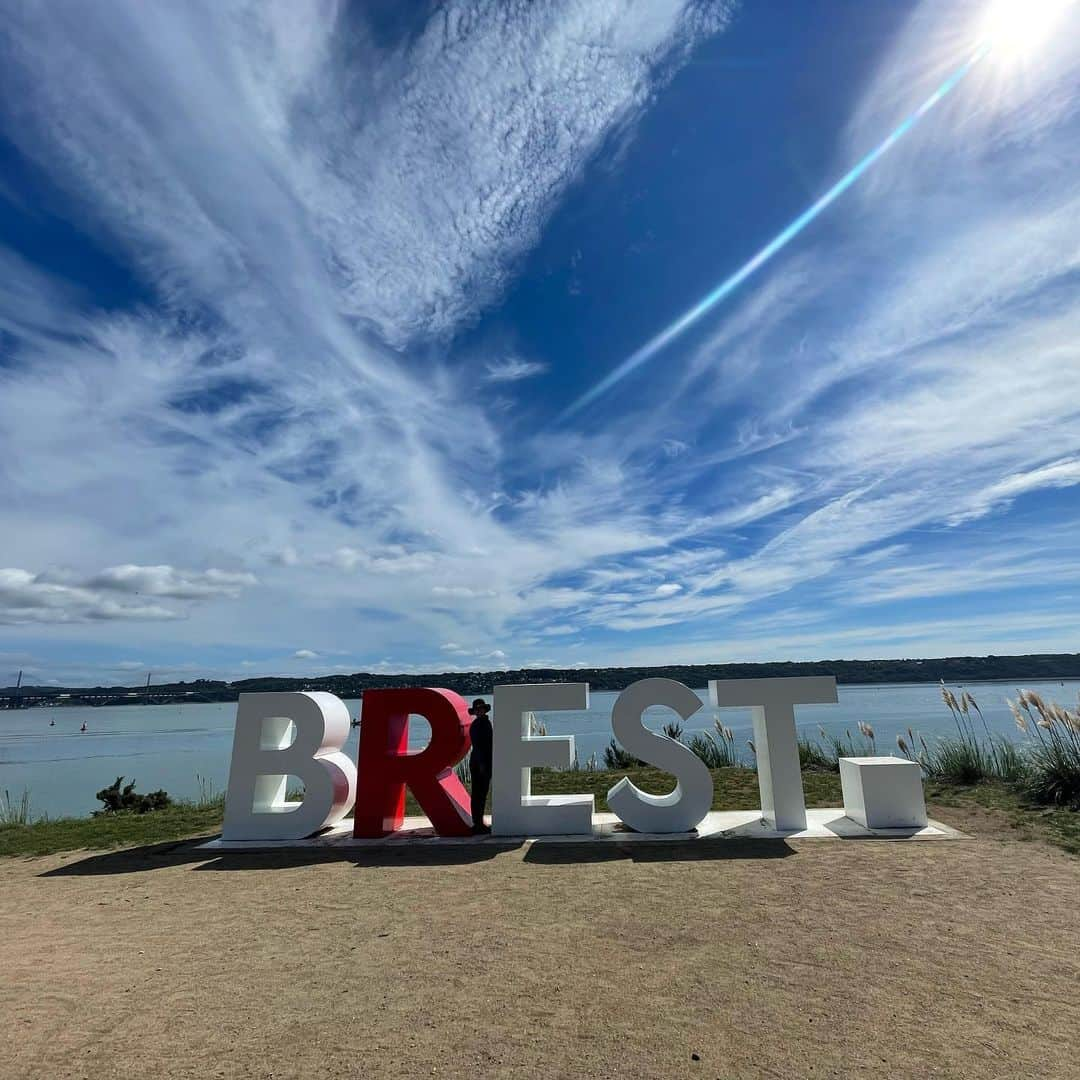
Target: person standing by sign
480	762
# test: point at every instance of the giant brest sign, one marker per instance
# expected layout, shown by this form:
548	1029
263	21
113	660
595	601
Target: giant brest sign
301	735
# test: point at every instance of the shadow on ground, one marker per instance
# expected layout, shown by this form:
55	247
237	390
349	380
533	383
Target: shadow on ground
554	852
188	853
541	852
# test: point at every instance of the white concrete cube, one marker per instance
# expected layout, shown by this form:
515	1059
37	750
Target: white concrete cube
883	792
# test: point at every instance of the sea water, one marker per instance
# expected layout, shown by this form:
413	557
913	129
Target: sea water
175	746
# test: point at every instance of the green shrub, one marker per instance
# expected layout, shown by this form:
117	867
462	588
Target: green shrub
615	757
118	800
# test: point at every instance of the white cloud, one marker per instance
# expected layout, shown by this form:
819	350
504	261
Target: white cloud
331	193
423	189
169	582
305	654
62	597
481	86
35	598
960	635
513	369
462	592
328	197
392	559
1058	474
914	391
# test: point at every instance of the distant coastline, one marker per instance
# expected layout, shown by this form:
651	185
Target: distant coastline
1030	667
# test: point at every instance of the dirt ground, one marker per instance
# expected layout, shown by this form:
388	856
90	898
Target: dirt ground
808	959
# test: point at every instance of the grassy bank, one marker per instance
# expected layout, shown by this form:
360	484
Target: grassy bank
110	830
1003	805
734	789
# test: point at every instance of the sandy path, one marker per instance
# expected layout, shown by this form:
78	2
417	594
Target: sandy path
957	959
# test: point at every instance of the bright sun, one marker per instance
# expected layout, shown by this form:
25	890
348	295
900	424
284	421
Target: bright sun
1013	29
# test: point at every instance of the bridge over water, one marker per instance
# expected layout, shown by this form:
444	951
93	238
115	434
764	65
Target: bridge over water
35	698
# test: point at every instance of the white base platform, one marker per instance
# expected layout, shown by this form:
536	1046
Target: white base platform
607	828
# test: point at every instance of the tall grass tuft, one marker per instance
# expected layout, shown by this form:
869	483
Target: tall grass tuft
716	748
209	797
813	757
591	764
15	812
969	757
1053	773
463	769
827	754
957	760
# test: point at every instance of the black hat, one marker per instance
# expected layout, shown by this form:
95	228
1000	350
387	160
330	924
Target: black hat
478	704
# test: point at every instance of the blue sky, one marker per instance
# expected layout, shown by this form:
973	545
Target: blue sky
298	302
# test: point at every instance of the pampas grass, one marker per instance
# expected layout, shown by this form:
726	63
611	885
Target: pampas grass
1053	756
969	757
814	758
1046	767
827	754
716	748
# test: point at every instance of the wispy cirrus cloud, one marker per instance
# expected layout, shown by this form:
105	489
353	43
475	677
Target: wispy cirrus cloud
905	378
1056	474
301	208
513	369
314	211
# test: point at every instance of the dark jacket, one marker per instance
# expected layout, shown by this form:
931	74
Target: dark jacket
480	734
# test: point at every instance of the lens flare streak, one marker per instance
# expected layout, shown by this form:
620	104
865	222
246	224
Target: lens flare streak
785	236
